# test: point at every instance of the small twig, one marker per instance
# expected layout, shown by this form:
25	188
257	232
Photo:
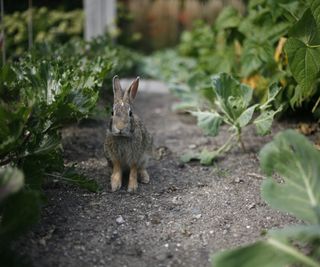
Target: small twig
256	175
316	105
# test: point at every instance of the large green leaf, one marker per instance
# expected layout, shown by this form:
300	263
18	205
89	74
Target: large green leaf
11	181
306	29
275	251
295	159
229	17
303	50
304	62
259	254
302	233
208	121
315	9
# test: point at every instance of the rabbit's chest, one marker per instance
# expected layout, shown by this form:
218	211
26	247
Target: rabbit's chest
126	150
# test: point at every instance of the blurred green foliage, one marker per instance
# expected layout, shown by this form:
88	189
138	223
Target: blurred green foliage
273	42
53	26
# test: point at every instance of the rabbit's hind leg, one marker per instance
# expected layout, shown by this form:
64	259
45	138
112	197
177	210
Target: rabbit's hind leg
116	177
143	176
133	176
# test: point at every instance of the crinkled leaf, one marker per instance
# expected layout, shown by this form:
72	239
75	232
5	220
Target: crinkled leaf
273	91
206	157
264	121
13	120
296	160
208	121
11	181
189	156
246	116
46	145
233	98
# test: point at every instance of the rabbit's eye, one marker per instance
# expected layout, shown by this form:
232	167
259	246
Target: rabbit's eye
130	113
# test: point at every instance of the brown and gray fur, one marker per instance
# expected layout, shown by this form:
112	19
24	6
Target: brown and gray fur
128	144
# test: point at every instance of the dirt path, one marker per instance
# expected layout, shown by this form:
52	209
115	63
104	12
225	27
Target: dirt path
185	214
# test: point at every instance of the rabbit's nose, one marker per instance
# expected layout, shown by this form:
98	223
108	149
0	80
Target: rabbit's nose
119	126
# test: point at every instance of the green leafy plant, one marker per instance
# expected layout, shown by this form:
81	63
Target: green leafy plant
272	42
47	89
233	107
48	26
303	50
296	160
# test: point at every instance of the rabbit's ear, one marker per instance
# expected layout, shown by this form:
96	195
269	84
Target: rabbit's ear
131	92
117	91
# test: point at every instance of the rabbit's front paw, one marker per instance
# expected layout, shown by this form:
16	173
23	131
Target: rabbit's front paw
116	181
133	183
144	176
132	187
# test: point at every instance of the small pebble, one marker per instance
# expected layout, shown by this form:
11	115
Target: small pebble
238	180
120	220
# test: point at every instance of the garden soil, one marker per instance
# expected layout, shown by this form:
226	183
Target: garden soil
187	213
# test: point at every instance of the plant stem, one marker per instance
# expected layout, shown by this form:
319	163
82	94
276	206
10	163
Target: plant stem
227	144
240	139
293	252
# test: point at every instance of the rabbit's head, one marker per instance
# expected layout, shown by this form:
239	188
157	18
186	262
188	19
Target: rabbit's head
121	123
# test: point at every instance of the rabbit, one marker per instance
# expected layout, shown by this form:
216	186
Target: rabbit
128	144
